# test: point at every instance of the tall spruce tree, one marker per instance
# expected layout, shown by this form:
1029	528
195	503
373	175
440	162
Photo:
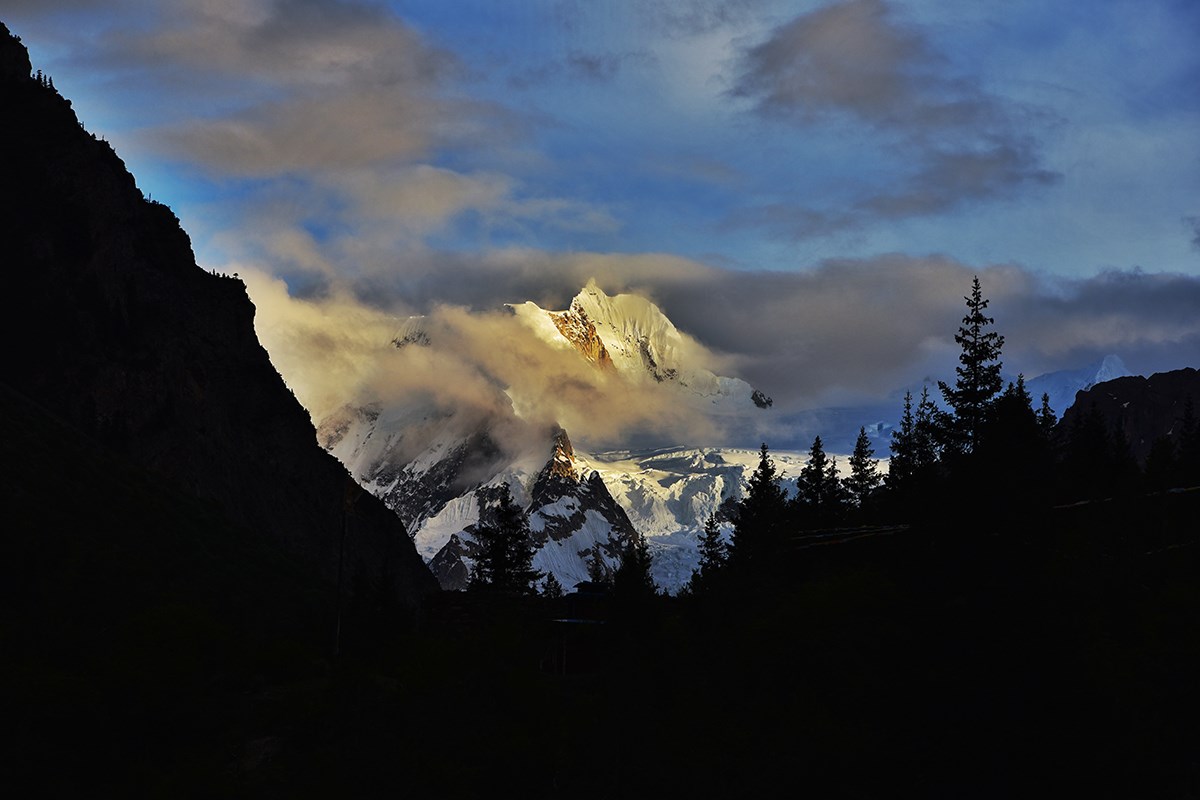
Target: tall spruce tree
1015	456
713	555
978	374
864	470
761	518
1046	419
504	561
903	447
633	580
927	426
551	589
821	493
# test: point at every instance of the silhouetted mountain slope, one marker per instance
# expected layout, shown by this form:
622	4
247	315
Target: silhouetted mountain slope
127	340
1145	409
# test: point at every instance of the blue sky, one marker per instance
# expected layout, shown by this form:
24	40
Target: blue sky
840	168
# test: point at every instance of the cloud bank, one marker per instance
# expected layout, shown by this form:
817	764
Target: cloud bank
847	332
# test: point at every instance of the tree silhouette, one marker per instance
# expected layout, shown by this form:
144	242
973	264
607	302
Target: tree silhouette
903	446
1046	419
504	561
927	427
633	580
978	374
864	476
1013	455
761	518
821	493
552	589
713	554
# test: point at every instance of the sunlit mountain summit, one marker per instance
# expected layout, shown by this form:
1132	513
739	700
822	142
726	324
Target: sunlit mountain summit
438	466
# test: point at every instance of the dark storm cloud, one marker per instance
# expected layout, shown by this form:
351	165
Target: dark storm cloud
854	62
1155	316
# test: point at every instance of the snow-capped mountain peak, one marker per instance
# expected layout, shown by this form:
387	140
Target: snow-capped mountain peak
1063	385
631	335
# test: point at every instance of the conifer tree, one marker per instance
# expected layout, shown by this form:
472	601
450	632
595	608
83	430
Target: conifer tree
820	488
864	470
903	447
978	374
598	569
551	589
761	517
504	561
927	427
1014	455
633	580
713	555
1046	419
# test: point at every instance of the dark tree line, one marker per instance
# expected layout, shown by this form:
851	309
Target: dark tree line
980	460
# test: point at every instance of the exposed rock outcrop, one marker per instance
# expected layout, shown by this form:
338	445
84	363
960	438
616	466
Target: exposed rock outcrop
1145	409
578	329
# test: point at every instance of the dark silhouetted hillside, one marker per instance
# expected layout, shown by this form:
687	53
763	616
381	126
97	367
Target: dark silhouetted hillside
114	329
1144	409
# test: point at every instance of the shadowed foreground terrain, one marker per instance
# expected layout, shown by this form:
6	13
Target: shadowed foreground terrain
1060	656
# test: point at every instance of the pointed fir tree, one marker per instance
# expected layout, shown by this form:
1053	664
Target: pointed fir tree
1014	468
978	374
821	493
928	425
551	588
713	555
599	571
633	579
504	561
864	470
1046	418
761	519
903	447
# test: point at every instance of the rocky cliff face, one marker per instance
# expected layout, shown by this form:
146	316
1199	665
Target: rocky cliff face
577	328
1144	408
125	338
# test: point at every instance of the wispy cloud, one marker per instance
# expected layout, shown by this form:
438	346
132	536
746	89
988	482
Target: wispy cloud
855	62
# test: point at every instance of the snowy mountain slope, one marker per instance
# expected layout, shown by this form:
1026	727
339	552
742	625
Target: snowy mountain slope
670	492
630	335
1063	385
573	518
436	465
